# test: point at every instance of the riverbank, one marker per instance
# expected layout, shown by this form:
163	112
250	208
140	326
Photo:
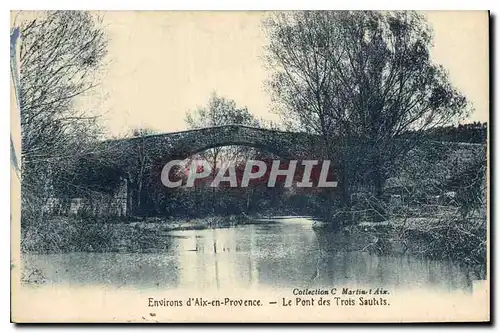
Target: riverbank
59	234
455	239
462	240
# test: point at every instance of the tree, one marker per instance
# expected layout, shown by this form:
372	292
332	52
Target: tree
142	164
364	81
61	54
221	111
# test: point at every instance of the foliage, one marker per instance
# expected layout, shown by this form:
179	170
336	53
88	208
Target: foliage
475	132
442	206
362	80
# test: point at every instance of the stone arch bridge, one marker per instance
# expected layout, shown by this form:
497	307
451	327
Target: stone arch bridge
180	145
121	164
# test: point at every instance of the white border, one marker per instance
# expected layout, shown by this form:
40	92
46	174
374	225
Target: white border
187	5
253	5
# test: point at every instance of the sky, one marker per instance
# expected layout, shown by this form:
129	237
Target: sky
161	65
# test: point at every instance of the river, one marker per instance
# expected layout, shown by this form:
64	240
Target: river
282	253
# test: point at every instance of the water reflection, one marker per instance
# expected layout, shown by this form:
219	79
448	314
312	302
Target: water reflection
285	254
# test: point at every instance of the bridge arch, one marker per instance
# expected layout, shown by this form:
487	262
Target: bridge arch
181	145
126	156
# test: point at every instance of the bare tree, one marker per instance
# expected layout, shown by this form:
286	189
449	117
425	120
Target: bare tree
61	55
221	111
364	81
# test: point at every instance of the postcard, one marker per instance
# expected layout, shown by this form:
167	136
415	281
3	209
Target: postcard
250	167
